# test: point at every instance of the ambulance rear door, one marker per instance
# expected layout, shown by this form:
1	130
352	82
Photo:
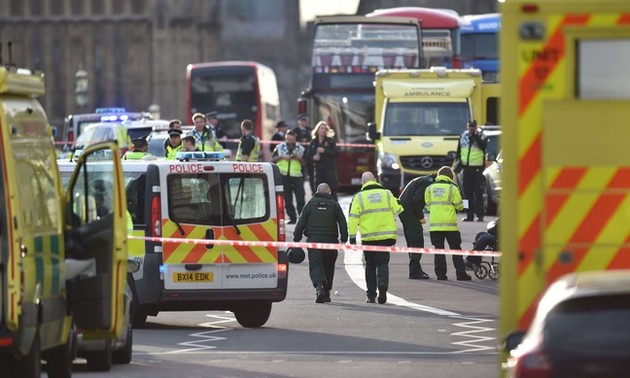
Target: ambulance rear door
222	201
97	234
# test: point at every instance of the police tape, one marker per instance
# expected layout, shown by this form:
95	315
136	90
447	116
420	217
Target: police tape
353	247
357	145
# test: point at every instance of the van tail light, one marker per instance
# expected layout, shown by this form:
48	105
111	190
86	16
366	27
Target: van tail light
530	361
280	211
70	136
457	62
156	217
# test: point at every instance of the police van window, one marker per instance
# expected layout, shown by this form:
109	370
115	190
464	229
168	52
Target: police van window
135	187
194	199
246	197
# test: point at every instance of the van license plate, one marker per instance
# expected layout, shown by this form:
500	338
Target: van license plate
193	277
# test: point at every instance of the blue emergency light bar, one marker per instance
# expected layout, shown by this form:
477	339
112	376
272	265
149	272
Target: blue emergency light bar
110	110
199	155
114	118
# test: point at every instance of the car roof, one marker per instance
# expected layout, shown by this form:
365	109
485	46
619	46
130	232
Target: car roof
585	284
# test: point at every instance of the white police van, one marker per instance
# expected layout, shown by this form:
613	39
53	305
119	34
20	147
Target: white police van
202	196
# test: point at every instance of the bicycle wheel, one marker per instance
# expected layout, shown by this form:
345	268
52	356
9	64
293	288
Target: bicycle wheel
482	270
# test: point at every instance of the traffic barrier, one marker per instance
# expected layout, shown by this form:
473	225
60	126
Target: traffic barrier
352	247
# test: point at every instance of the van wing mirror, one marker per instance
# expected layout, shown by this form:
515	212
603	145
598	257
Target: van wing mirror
372	134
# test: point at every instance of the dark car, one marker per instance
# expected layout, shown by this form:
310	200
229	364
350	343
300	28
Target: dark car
581	329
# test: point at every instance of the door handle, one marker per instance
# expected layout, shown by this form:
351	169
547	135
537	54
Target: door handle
209	236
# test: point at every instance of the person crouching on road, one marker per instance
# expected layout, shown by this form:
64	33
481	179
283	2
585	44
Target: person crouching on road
443	200
322	221
373	210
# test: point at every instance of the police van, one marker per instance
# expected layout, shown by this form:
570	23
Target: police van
61	262
201	196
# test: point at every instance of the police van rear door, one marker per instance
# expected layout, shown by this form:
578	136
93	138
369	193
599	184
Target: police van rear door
222	201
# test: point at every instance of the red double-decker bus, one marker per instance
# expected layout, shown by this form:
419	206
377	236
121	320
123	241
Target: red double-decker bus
347	51
440	33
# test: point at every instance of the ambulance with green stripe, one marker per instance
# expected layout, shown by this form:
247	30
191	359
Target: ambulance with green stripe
202	196
62	262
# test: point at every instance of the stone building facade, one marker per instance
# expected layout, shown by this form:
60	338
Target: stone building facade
135	52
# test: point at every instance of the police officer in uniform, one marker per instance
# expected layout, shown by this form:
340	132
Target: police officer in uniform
471	151
249	146
279	136
412	218
322	221
289	157
140	147
373	211
174	144
443	200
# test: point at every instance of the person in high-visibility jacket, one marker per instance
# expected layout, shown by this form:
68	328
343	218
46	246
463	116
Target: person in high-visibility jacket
443	200
174	144
289	157
373	211
249	146
140	147
471	152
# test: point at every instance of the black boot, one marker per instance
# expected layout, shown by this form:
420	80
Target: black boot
321	293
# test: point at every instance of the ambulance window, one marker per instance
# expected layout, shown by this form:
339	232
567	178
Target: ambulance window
38	201
247	198
92	193
602	65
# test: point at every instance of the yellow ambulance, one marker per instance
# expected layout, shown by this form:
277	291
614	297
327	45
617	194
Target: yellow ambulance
63	259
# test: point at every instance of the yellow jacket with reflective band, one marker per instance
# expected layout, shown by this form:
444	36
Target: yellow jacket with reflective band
206	140
470	153
292	167
373	210
135	155
443	199
253	155
171	152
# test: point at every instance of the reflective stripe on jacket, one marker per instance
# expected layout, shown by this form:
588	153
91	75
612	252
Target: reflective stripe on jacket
171	152
373	211
443	200
253	155
292	167
471	154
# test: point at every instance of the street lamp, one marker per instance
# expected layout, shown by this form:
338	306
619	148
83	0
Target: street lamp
81	88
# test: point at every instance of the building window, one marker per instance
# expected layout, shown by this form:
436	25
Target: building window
138	6
117	7
56	6
97	7
36	7
77	7
16	8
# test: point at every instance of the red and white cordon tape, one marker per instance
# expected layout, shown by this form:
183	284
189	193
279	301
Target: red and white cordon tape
352	247
358	145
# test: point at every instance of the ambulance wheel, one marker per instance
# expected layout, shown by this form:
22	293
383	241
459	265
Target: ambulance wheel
29	366
123	356
59	359
252	314
101	360
139	316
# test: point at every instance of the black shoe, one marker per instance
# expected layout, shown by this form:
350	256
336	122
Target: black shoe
327	296
421	276
382	293
321	293
479	219
370	300
463	277
468	219
442	278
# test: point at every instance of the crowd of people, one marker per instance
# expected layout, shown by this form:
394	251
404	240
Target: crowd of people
309	155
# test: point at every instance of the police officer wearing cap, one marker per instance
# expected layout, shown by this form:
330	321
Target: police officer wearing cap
281	126
322	221
140	147
215	125
471	152
174	144
373	212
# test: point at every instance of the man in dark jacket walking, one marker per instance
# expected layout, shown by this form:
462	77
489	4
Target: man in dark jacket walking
412	218
322	221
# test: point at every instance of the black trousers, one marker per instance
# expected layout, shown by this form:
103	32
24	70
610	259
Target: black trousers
473	191
484	240
414	238
327	174
293	186
321	266
377	266
454	239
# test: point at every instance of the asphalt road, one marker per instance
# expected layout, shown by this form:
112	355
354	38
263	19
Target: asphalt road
427	328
